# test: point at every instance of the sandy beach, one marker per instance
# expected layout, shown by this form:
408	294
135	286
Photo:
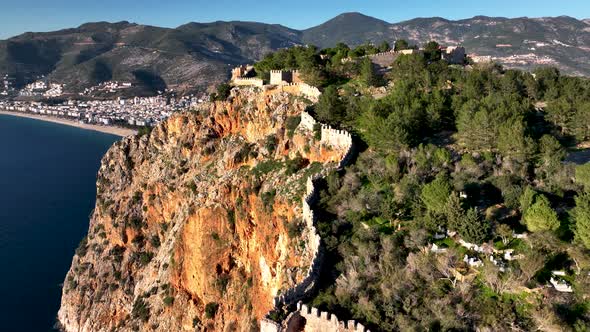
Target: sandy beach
119	131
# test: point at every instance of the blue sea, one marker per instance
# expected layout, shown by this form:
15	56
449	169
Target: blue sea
47	191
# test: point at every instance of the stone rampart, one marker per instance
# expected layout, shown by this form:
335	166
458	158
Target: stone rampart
301	89
384	59
342	140
303	288
248	81
339	139
316	320
281	77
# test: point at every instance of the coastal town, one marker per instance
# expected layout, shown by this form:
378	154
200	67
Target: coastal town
35	99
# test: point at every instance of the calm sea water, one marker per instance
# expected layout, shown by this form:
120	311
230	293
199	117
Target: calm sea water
47	191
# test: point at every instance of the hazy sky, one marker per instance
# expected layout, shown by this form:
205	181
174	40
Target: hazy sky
45	15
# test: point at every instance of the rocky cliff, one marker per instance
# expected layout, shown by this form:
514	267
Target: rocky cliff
198	225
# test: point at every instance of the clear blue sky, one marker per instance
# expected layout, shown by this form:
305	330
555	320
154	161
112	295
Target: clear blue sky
17	16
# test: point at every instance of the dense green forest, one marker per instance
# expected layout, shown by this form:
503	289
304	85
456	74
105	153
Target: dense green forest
476	150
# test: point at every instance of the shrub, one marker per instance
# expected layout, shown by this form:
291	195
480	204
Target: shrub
271	144
141	310
583	175
291	124
231	217
117	253
144	130
268	199
294	228
136	223
581	215
82	247
155	241
473	228
317	131
145	258
168	301
211	309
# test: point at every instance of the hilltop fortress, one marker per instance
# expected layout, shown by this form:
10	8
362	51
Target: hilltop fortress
280	81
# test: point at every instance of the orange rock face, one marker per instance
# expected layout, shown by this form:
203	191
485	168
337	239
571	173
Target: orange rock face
198	224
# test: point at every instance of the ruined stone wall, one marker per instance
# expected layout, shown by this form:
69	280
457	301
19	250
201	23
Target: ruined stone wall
301	89
296	76
309	91
454	55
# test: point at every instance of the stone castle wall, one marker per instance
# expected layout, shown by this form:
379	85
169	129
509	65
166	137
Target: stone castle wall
301	89
248	81
341	140
279	77
384	59
316	320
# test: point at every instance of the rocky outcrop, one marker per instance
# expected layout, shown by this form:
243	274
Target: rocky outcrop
199	225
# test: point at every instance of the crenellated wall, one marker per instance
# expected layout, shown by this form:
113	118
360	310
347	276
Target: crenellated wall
316	320
300	89
303	288
281	77
248	81
338	139
329	136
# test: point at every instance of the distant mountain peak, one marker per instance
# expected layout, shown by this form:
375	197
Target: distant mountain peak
355	17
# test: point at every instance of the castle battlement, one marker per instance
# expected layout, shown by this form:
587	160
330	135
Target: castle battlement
318	320
248	81
343	140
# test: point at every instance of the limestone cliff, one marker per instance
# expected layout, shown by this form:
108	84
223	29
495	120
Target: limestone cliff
198	225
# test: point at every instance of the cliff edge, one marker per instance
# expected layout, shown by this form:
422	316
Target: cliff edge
200	224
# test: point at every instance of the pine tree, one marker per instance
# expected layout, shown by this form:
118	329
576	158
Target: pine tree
473	228
368	75
540	216
527	199
454	212
401	45
436	194
329	107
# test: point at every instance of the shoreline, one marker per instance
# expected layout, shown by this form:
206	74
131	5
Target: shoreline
117	131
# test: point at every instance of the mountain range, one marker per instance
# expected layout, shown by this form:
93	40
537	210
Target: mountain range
194	56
